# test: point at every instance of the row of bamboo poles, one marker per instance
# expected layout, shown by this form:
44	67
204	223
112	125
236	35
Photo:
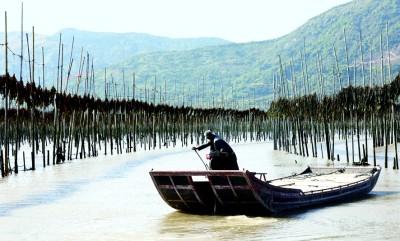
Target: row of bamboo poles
309	121
354	115
49	127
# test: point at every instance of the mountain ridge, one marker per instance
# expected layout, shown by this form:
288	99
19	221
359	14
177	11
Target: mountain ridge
238	71
249	67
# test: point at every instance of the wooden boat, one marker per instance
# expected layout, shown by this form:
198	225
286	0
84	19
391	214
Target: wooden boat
245	192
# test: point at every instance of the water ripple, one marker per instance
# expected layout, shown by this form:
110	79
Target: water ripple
60	191
65	189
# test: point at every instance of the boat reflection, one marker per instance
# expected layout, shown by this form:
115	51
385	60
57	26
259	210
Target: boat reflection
179	225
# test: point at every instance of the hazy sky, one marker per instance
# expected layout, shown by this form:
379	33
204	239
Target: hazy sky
235	20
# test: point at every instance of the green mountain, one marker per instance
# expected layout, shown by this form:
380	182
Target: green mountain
215	72
106	48
243	73
113	47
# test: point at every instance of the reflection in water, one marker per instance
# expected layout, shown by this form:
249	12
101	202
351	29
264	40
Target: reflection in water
177	225
59	192
114	198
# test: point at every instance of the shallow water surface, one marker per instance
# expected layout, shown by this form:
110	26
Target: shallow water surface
114	199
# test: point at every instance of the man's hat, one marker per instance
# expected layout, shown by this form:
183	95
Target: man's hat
209	134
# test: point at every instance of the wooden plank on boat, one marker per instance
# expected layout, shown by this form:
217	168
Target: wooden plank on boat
177	192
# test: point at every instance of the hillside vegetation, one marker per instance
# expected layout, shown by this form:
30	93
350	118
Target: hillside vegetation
248	68
218	72
106	48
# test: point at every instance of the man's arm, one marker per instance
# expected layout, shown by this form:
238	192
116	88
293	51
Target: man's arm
201	147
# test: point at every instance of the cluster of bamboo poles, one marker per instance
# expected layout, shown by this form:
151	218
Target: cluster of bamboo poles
56	127
305	116
360	113
53	125
58	124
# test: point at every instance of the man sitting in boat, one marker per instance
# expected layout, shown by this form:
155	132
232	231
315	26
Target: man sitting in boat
221	154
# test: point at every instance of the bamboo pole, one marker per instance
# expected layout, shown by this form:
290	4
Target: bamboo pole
22	40
33	106
347	57
364	110
381	48
388	52
6	141
61	69
133	86
58	64
71	60
337	67
17	144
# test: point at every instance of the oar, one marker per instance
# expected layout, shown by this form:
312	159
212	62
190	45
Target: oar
205	165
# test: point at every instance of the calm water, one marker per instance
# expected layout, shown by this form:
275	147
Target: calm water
114	199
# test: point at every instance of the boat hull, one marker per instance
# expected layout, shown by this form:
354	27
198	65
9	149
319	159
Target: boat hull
244	192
